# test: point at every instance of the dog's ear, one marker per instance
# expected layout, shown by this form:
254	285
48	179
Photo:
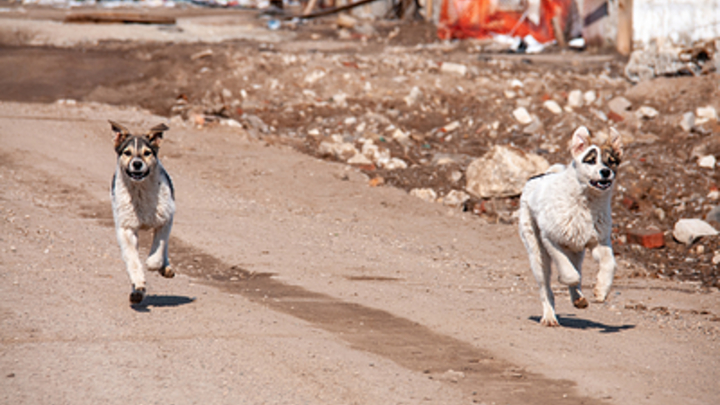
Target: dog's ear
615	142
121	133
155	135
580	141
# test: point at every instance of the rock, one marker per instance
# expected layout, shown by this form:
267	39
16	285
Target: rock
575	99
714	214
687	122
522	116
401	137
346	21
516	84
646	112
414	96
342	150
649	238
534	127
313	132
340	99
451	127
255	122
708	162
453	68
619	105
502	172
705	114
360	160
589	97
394	164
314	76
688	230
426	194
350	121
455	198
373	152
553	107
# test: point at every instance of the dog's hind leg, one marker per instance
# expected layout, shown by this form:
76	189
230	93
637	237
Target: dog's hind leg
604	255
128	240
576	295
158	258
540	265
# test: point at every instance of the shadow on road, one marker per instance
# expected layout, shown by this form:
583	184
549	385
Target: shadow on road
161	301
577	323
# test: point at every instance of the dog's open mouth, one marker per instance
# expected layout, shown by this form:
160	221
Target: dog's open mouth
601	184
137	176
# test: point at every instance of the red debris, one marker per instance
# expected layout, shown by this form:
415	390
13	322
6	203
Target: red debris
649	238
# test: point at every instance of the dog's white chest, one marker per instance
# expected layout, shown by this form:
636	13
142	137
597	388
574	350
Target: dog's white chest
143	206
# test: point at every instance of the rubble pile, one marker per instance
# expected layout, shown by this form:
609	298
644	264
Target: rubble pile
433	118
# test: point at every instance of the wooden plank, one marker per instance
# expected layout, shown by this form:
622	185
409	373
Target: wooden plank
624	40
112	17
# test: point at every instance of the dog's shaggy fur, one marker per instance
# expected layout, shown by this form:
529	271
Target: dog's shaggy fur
567	210
142	199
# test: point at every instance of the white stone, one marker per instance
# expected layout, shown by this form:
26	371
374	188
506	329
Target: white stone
707	113
589	97
575	99
646	112
454	68
340	99
707	162
401	136
687	122
553	107
394	164
688	230
414	96
502	172
451	126
342	150
522	115
455	198
516	84
426	194
314	132
314	76
359	159
350	121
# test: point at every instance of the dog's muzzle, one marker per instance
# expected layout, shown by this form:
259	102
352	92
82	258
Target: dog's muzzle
137	170
601	184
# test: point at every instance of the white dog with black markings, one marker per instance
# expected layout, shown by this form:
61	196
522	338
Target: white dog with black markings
567	210
142	199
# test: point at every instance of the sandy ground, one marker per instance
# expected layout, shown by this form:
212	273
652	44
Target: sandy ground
299	283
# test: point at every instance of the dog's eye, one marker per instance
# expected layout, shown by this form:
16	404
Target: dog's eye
127	153
591	160
612	161
147	153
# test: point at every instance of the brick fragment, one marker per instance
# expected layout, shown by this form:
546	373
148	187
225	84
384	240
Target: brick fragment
649	238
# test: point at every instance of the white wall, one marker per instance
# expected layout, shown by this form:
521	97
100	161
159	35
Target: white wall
682	21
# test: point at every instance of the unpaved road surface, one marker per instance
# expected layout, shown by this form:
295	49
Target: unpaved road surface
300	283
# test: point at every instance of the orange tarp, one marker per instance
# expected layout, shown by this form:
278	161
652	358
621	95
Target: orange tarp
482	18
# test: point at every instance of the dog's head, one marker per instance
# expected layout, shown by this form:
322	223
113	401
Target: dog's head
137	154
596	163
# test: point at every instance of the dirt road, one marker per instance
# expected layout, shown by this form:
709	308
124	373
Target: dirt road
300	284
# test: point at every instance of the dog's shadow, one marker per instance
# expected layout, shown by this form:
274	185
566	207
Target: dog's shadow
577	323
161	301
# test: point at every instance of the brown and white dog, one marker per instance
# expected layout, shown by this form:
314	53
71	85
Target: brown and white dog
567	210
142	199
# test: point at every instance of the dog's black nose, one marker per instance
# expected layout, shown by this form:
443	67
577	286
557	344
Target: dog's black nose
605	173
137	165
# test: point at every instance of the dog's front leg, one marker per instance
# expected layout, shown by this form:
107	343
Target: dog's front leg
604	255
158	258
129	247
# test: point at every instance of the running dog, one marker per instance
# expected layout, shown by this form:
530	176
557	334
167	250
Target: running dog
142	199
567	210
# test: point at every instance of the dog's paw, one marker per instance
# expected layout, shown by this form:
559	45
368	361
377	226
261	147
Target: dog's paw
552	322
137	295
167	272
581	303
